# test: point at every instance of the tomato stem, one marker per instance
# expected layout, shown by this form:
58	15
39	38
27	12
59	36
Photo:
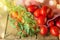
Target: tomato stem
6	23
20	37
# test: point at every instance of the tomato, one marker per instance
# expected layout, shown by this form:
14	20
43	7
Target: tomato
50	15
43	11
37	13
41	20
57	18
58	24
14	15
45	7
32	8
51	23
43	30
54	31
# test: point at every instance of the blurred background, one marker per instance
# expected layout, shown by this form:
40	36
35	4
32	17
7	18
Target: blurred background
54	4
3	17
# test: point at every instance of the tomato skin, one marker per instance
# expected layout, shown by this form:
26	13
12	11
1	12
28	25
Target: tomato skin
14	15
54	31
32	8
45	7
37	13
43	11
43	30
50	15
58	24
41	20
51	23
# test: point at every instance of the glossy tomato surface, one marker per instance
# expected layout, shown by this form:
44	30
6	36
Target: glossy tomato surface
43	30
41	20
37	13
43	11
54	31
51	23
58	24
32	8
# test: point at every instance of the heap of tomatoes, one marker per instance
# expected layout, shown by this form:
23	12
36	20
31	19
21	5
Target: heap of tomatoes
42	15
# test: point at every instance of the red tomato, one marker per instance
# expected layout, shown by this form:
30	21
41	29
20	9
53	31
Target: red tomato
43	30
57	18
37	13
41	20
51	23
54	31
45	7
58	24
32	8
43	11
50	15
14	14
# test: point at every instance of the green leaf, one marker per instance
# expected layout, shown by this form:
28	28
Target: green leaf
12	25
22	34
28	17
26	28
19	33
37	30
12	21
20	25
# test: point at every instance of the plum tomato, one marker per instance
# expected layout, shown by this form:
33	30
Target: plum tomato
32	8
50	15
58	24
54	31
57	18
41	20
43	30
37	13
45	7
51	23
44	11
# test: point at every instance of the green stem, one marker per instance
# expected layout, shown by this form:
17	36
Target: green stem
6	24
36	36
